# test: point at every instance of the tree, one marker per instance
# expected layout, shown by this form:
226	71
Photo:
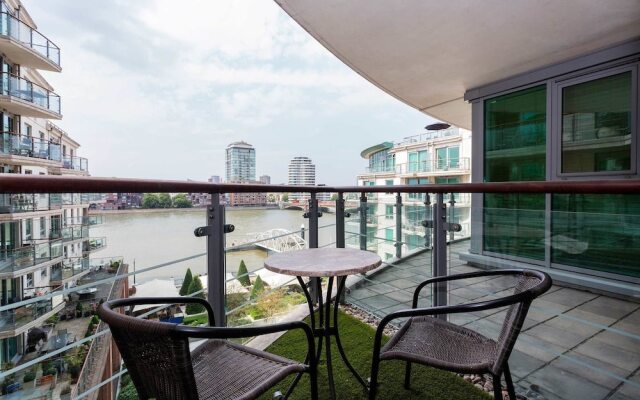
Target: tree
334	197
181	201
258	287
285	197
150	200
243	274
164	200
196	285
188	278
271	198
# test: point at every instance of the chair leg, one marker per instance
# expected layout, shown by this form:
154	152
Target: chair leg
407	376
373	381
313	375
497	387
510	388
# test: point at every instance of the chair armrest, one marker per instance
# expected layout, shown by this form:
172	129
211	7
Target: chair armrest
240	332
460	308
136	301
416	293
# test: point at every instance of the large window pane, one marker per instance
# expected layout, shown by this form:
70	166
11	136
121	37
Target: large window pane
596	125
599	232
515	150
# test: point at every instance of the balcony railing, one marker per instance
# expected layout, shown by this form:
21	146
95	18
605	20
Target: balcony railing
75	266
75	232
30	202
29	37
435	166
16	318
434	244
14	260
75	163
430	135
26	146
94	244
23	89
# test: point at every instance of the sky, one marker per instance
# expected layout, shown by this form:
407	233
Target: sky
158	89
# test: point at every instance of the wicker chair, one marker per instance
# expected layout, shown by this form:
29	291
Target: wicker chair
161	365
441	344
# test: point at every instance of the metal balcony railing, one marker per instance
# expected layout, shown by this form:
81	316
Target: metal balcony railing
29	37
24	89
435	166
94	244
30	202
18	317
14	260
75	163
436	214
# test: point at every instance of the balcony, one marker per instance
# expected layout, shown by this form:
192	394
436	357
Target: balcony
26	46
21	319
94	244
21	96
14	145
75	163
435	167
77	267
77	232
574	343
16	262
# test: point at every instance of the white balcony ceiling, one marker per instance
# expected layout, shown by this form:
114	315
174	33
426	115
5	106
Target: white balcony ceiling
427	53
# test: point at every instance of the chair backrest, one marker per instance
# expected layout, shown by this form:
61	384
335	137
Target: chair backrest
529	284
156	356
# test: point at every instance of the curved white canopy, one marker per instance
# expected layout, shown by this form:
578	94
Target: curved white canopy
427	53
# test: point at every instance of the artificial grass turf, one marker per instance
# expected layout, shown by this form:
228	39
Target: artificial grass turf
357	340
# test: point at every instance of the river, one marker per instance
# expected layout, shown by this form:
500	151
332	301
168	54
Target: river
148	239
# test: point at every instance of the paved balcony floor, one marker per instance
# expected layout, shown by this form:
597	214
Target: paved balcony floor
574	345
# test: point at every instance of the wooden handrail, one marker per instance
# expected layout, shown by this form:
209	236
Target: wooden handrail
18	183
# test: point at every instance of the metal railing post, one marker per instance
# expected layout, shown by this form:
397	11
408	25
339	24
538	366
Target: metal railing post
398	242
452	203
313	241
363	221
216	271
428	217
340	242
439	251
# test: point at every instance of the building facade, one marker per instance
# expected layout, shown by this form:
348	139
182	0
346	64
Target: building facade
435	157
302	171
240	163
44	238
265	179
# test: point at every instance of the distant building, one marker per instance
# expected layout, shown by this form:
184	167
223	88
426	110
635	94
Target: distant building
215	179
326	196
265	179
240	162
122	201
302	171
247	199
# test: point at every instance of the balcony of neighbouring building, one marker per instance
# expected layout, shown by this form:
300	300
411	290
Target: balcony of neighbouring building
21	319
435	167
26	46
94	244
19	261
23	97
26	150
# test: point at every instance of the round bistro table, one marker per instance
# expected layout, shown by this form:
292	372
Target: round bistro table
316	264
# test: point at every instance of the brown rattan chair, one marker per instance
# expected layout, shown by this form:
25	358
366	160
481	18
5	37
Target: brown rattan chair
435	342
162	367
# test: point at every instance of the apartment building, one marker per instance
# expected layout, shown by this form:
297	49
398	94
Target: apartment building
44	238
441	155
302	172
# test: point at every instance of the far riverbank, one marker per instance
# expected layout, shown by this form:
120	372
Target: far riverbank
172	210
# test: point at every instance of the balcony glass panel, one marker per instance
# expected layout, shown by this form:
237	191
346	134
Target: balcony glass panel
15	259
17	317
26	90
55	153
515	150
596	125
55	200
17	202
18	30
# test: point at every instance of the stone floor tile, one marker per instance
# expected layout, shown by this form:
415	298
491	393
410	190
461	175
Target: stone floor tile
402	296
566	385
631	390
360	293
609	353
627	343
521	365
537	348
378	302
381	288
558	336
576	363
609	307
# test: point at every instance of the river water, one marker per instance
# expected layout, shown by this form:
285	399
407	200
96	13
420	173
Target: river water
148	239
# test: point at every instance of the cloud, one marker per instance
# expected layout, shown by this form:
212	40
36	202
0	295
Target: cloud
157	89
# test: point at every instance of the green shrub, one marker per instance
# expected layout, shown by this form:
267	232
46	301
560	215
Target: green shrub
128	392
188	278
193	308
243	274
29	377
258	287
95	320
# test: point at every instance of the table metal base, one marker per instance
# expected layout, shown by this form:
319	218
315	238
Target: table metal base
325	329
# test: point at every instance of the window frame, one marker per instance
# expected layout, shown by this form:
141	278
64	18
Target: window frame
555	129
